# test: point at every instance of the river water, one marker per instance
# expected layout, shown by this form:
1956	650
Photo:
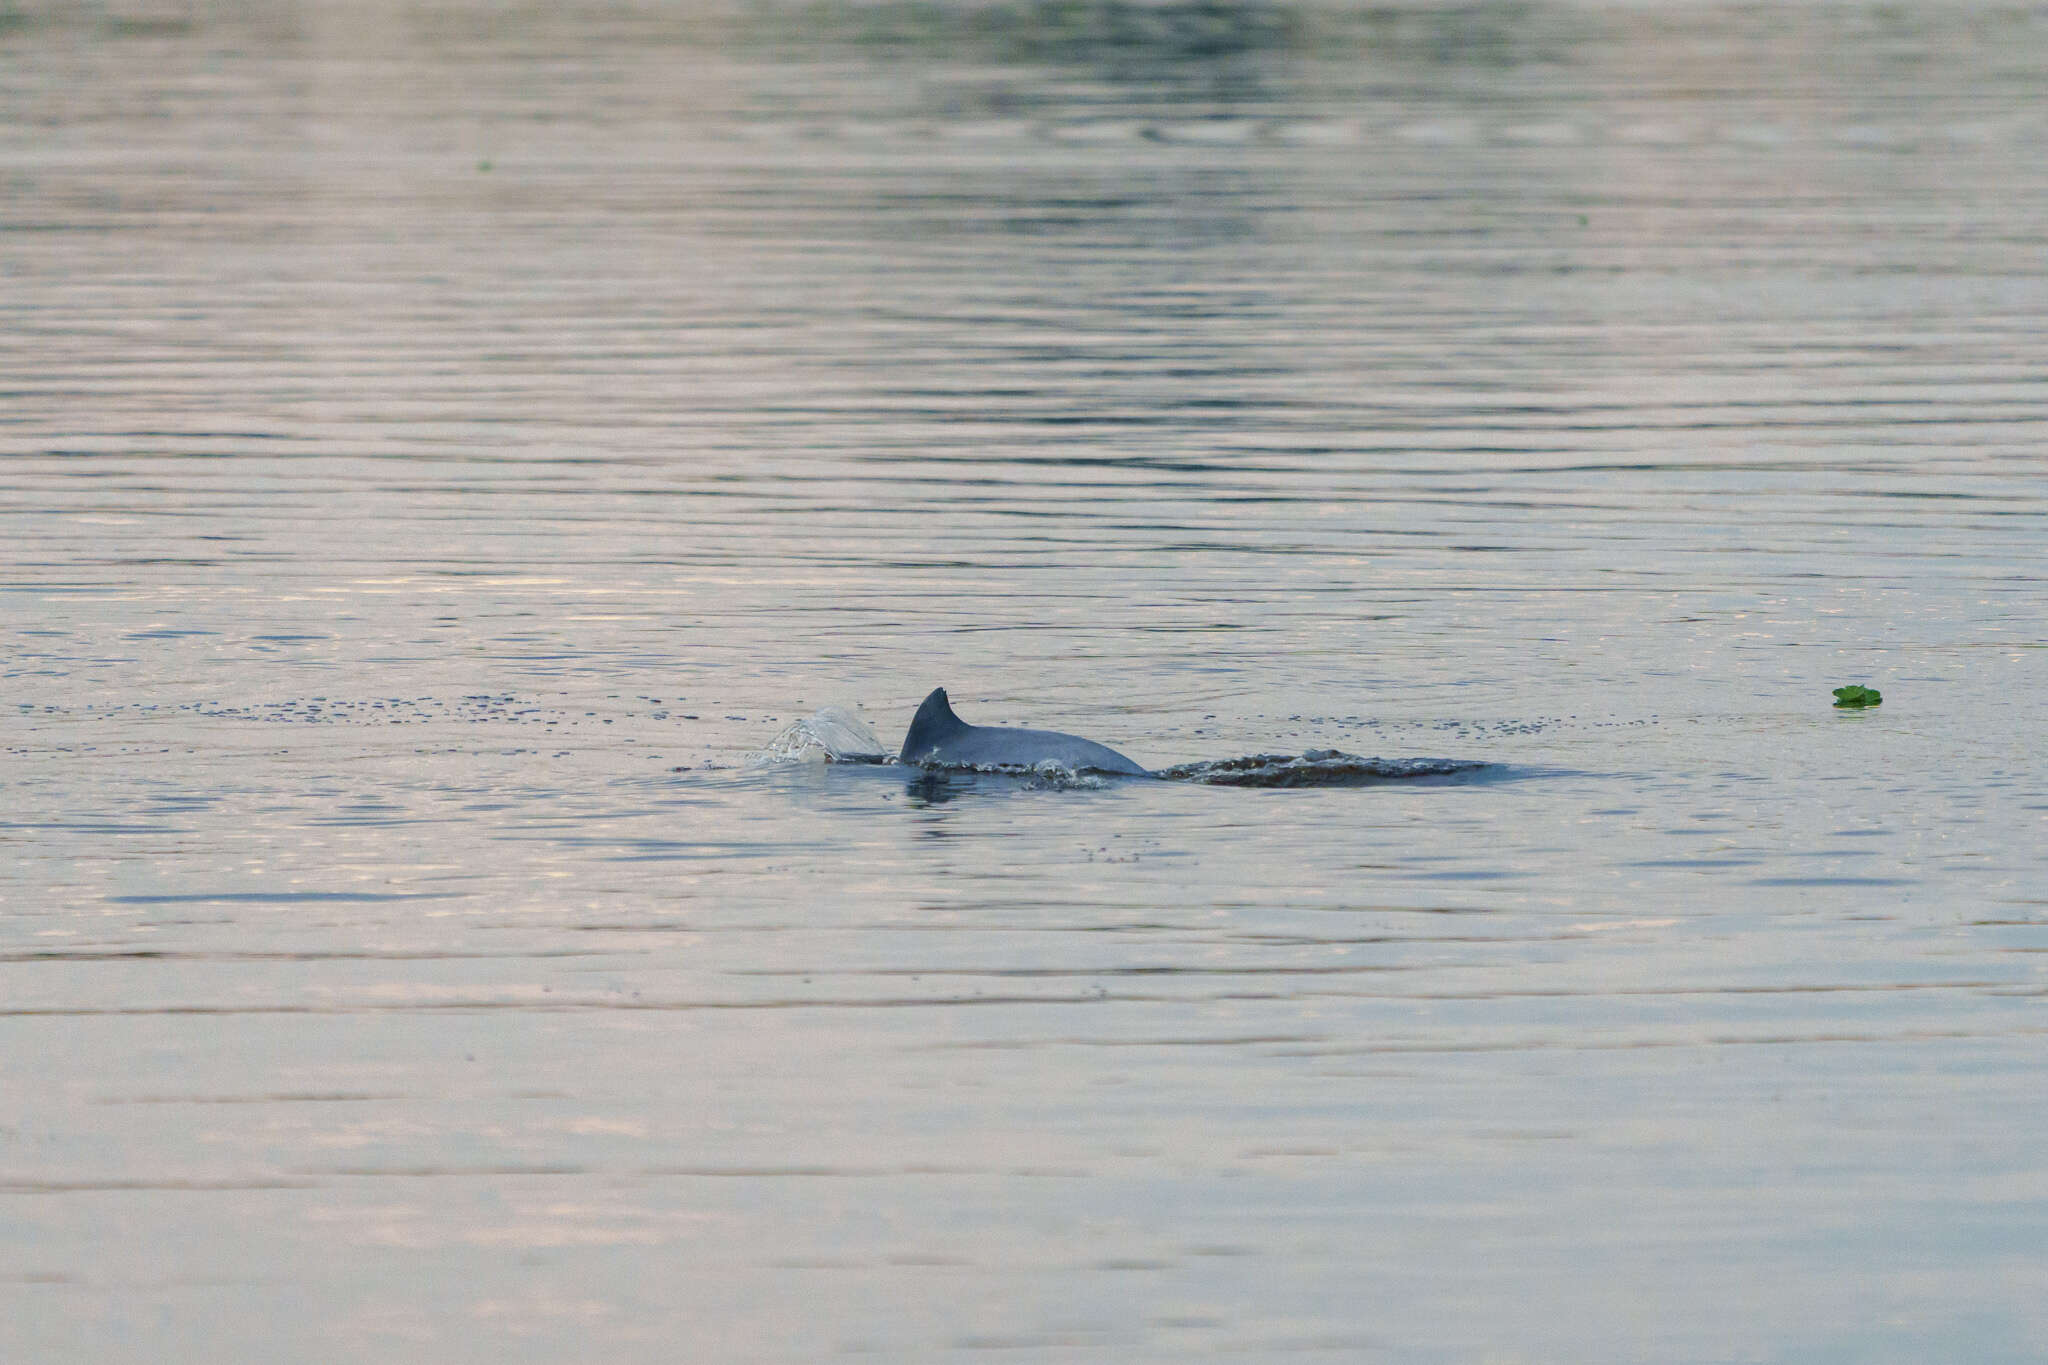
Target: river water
442	442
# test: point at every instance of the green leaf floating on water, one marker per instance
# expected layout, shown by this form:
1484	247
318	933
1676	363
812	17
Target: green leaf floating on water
1858	696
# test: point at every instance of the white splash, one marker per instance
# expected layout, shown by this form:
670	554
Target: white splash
832	734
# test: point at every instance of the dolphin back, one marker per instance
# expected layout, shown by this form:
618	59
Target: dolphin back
938	737
993	746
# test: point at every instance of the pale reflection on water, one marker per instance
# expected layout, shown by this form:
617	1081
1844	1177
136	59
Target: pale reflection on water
440	441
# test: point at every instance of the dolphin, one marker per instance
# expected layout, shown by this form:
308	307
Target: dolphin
938	738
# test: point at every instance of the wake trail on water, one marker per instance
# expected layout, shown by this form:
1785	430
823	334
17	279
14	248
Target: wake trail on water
836	735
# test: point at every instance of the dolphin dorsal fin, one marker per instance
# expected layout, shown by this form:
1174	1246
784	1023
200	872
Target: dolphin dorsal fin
933	724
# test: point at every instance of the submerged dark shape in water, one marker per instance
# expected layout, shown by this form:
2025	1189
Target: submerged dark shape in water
1316	768
938	738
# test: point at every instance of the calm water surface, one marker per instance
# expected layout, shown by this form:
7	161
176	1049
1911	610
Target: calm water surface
441	442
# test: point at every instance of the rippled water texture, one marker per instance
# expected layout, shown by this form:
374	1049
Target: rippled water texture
443	441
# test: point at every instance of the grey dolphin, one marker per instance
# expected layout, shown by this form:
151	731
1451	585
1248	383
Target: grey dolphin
938	738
